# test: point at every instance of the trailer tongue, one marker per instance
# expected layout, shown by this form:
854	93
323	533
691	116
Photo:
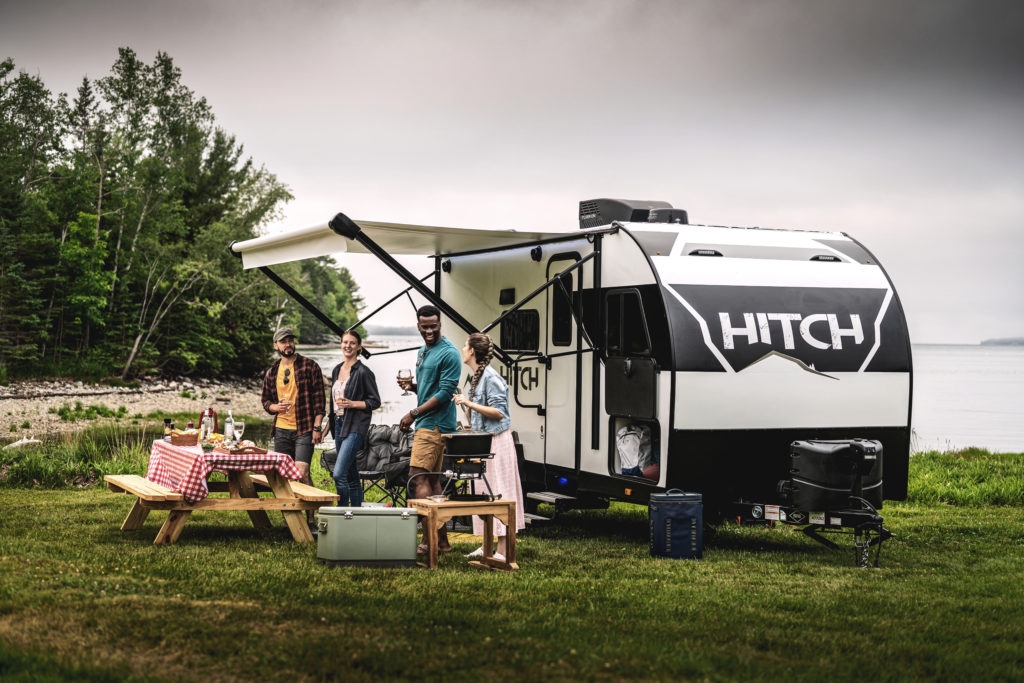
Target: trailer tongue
833	487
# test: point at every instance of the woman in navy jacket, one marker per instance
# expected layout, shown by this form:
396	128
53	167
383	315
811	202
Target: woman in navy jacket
354	396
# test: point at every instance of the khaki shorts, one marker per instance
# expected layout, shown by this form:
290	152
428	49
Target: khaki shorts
428	449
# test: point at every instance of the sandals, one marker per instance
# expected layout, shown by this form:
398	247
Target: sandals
424	549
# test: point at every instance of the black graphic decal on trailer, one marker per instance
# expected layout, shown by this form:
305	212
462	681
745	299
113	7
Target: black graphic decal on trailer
827	329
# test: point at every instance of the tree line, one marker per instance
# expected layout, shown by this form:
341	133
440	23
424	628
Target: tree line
117	206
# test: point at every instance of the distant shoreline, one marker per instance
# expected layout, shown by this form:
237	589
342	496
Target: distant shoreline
1008	341
370	342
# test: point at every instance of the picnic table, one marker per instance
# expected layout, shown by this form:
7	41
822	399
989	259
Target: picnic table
177	482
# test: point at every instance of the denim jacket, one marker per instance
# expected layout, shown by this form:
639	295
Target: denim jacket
491	391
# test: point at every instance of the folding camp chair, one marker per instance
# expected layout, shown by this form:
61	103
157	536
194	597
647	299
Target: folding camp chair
384	462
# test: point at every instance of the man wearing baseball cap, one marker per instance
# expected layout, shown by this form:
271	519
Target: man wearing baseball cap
293	392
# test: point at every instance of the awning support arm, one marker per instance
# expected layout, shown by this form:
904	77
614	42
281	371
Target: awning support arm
555	278
290	291
346	227
388	302
572	309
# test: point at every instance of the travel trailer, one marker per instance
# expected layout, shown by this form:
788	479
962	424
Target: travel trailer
705	352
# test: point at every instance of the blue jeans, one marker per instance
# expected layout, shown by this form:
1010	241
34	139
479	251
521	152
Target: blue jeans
346	471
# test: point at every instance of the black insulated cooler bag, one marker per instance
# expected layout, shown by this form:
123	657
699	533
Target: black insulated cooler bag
677	524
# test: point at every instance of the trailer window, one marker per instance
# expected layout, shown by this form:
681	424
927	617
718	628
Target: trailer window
561	313
520	331
625	324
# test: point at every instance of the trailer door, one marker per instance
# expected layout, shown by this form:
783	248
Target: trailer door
562	420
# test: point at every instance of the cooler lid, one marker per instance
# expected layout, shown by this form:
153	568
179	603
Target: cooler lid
365	512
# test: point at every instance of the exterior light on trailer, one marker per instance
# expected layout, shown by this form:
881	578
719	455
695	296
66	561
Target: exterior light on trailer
628	492
562	481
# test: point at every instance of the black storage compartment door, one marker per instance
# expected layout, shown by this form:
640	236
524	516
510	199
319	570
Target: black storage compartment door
629	387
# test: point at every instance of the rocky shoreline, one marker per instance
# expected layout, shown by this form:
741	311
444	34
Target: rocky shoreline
25	406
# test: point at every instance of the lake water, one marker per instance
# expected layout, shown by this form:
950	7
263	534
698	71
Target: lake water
385	367
969	396
963	395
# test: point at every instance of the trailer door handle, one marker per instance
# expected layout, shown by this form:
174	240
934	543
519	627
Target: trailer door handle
627	367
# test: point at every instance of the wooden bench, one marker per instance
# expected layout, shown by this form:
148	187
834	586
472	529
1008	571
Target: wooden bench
291	497
302	491
141	487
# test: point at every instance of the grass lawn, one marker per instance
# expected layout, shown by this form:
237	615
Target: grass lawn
80	599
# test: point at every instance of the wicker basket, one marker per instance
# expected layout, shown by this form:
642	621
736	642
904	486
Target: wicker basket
184	439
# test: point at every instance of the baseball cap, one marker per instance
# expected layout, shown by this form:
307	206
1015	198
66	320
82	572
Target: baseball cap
282	333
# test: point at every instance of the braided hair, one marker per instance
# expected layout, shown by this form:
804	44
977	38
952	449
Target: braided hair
483	352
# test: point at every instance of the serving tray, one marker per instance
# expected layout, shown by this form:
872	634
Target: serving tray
247	450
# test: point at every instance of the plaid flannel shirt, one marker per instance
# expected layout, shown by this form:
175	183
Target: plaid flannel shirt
309	403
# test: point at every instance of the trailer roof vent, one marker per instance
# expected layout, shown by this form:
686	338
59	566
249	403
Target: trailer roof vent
597	212
667	216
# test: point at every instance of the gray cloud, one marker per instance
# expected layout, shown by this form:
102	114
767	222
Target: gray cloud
895	122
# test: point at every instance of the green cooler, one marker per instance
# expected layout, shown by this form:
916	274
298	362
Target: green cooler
366	536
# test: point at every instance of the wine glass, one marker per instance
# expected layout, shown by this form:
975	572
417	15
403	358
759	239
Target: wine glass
239	429
405	373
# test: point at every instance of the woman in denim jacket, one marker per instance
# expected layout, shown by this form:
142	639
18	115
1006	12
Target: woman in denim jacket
354	396
486	407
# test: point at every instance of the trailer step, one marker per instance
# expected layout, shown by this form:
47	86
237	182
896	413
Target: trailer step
529	518
549	497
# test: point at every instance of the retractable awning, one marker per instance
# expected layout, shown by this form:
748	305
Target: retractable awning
396	239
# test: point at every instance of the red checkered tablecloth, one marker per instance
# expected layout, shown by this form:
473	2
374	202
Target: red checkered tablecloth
184	469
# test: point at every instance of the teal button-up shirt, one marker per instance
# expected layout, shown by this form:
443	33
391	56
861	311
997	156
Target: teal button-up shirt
438	369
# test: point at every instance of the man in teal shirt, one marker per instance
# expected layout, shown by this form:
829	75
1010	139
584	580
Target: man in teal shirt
438	369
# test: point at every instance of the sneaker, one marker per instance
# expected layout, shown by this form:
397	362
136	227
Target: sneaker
499	557
479	552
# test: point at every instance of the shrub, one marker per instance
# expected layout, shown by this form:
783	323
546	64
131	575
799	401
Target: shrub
77	459
67	413
118	382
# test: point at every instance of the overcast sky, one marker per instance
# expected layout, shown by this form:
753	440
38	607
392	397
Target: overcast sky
897	122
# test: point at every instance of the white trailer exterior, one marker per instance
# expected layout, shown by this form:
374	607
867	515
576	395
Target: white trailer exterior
729	343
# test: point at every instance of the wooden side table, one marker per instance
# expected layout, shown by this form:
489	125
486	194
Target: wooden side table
438	513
